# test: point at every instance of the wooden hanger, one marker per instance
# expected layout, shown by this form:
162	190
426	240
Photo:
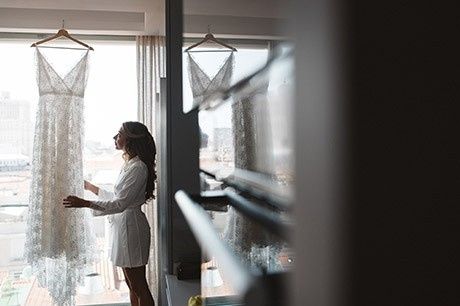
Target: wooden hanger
62	33
210	37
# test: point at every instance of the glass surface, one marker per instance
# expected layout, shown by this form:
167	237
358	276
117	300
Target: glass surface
18	100
258	250
246	61
248	136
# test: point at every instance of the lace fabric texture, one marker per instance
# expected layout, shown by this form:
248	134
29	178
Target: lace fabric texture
202	85
59	241
250	146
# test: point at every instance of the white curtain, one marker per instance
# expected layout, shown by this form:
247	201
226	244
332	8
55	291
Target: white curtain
151	66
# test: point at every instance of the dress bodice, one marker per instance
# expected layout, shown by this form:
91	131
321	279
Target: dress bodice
50	82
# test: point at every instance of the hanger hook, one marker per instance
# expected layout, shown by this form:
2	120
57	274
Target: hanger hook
63	24
209	28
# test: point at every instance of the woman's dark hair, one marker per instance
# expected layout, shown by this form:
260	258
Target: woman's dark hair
140	143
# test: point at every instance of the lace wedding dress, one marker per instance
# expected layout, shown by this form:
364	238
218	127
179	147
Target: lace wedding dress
202	85
59	240
240	233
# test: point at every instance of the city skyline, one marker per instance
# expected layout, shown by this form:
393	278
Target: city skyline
15	125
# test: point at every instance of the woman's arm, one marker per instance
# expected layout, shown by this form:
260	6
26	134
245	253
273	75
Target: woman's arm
93	188
102	194
75	202
132	183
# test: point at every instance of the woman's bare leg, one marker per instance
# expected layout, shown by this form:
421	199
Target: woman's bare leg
139	285
132	295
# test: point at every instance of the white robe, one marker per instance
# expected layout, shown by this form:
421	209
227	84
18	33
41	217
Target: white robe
131	231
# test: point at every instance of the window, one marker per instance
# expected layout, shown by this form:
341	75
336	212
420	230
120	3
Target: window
216	151
110	99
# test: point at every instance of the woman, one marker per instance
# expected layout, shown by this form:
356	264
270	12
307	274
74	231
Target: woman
135	185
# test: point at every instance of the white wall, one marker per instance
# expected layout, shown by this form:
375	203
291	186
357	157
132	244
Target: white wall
237	18
234	27
83	16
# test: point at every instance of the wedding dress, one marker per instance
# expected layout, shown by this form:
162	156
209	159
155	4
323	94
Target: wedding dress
59	240
202	85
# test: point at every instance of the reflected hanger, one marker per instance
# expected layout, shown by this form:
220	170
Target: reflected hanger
62	33
210	37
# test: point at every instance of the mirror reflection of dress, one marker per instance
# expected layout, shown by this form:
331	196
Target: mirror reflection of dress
202	84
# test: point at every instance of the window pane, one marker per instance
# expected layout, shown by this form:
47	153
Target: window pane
112	66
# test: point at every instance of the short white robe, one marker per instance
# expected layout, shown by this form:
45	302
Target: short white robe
131	230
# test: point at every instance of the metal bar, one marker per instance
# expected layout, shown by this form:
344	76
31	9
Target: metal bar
34	36
248	185
212	244
214	197
270	220
262	187
212	200
209	174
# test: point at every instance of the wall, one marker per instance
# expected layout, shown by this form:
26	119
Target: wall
84	17
239	18
254	19
376	154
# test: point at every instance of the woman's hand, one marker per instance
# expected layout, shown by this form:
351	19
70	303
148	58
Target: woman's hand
75	202
88	186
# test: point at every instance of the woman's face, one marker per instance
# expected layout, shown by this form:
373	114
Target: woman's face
120	140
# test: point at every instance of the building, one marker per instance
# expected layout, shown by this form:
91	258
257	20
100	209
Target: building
14	162
15	125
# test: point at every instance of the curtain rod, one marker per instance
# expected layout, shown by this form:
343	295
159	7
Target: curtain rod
14	35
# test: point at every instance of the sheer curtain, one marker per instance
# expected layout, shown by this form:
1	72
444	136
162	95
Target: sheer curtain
151	63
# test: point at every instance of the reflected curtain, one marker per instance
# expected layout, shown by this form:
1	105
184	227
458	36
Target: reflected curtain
151	66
